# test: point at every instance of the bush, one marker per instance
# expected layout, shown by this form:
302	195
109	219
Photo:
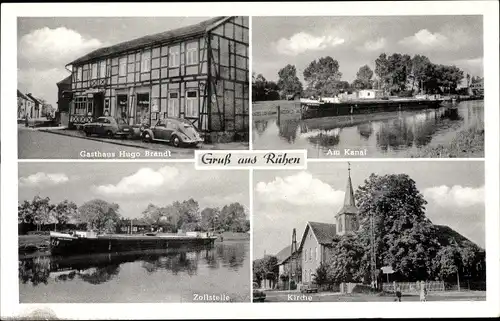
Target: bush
38	233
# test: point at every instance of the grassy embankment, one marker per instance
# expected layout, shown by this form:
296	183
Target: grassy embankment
468	143
233	236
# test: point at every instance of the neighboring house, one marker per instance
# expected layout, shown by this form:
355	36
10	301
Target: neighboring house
36	108
370	94
289	265
477	88
133	226
198	72
64	94
21	105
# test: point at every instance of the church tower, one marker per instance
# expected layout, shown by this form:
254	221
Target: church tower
346	218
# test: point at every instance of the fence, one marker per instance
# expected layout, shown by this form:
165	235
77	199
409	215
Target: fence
412	287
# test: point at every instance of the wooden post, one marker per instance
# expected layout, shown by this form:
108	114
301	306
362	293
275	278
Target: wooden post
279	114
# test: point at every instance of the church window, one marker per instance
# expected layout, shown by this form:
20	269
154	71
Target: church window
316	253
310	254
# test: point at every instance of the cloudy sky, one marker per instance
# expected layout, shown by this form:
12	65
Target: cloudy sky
356	41
288	199
132	185
46	45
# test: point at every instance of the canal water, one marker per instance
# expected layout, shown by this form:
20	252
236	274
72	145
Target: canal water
156	276
391	134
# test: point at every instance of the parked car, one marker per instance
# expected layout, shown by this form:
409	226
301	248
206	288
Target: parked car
258	295
108	126
176	131
308	288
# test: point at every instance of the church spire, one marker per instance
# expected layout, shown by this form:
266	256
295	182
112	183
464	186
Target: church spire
349	192
346	221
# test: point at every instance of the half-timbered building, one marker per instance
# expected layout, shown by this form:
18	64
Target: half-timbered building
199	72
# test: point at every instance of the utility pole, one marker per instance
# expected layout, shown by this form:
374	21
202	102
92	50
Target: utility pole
373	262
293	249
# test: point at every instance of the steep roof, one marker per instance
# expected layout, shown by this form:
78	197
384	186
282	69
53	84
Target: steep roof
20	94
65	81
324	233
284	254
446	235
162	37
349	206
33	98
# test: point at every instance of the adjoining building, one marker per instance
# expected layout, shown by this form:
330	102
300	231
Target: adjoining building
64	101
36	106
199	72
370	94
21	105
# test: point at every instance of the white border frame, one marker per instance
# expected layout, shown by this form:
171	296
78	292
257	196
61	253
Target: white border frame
9	282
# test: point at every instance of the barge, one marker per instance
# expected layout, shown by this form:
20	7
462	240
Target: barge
316	109
88	242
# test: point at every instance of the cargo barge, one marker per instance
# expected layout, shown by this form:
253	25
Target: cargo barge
87	242
316	109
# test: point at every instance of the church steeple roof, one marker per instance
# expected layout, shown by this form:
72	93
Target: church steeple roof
349	206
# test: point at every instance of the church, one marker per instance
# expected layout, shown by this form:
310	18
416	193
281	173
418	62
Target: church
317	240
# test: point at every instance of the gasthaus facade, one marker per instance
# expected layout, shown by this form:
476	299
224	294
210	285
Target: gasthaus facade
199	72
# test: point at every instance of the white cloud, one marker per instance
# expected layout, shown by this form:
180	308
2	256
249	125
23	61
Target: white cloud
42	178
456	196
302	41
447	39
298	189
58	45
374	45
144	181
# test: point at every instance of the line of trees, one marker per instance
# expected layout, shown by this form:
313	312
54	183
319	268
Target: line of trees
102	216
396	74
187	216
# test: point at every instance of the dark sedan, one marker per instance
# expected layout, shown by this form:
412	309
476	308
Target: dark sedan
108	126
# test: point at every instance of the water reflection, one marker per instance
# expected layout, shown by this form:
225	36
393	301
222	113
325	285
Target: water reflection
102	268
383	134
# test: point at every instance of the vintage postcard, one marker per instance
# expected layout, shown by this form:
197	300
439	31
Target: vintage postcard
357	177
369	87
127	88
132	232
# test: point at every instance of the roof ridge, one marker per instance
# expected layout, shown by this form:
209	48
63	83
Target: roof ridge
149	39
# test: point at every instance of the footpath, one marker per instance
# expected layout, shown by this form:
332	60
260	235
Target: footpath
134	142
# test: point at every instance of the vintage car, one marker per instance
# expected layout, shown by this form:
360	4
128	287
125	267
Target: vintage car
108	126
258	295
176	131
308	288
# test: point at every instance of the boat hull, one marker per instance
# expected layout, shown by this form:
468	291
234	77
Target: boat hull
114	244
309	111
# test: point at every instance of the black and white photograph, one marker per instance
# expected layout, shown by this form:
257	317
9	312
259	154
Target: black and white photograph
370	232
131	87
151	181
369	86
132	232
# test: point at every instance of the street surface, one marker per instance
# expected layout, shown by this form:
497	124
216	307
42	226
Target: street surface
293	296
36	144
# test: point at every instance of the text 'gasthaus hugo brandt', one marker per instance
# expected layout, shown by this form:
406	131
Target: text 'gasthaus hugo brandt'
262	159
